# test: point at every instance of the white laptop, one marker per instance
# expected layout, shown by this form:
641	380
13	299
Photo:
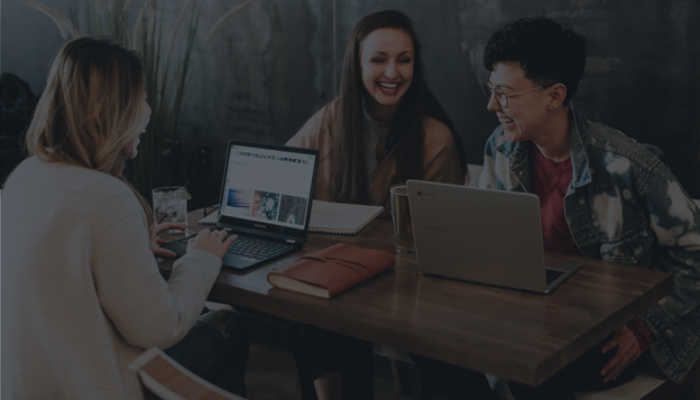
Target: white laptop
486	236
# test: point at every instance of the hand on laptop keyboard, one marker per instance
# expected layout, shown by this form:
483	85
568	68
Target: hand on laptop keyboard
214	242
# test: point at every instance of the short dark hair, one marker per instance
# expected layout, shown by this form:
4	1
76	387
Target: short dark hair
547	53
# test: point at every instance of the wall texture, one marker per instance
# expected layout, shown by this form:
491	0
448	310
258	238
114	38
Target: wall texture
273	65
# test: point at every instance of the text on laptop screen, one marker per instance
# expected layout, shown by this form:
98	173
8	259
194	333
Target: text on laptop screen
270	185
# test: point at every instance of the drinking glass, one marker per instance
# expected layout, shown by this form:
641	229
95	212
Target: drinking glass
401	215
170	205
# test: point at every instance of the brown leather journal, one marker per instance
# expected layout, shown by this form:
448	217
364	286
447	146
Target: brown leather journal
331	270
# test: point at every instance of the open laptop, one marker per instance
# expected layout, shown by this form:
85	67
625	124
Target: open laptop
486	236
266	198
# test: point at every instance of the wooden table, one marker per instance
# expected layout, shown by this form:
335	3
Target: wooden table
520	336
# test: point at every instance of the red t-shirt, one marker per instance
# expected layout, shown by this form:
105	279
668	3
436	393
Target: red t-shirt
550	181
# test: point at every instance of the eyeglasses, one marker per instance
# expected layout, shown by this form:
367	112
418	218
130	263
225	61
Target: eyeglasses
502	97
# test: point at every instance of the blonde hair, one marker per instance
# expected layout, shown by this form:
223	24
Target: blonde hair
90	109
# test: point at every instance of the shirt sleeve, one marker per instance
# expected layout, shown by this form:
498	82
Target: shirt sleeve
145	309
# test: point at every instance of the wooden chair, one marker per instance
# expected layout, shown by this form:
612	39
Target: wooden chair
473	174
162	378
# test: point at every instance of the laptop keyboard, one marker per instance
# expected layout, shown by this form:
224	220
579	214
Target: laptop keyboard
258	249
553	274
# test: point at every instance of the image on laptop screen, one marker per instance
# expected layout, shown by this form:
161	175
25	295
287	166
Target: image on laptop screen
268	186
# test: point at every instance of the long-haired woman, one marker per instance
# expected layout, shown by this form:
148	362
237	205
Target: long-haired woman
82	295
385	126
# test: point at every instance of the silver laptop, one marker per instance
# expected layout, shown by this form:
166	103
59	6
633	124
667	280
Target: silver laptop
486	236
266	198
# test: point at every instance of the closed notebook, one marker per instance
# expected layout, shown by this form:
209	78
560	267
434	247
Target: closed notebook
331	270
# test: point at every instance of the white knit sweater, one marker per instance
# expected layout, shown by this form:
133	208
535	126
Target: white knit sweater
81	291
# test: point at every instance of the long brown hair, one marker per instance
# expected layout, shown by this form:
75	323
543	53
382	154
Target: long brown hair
90	108
406	133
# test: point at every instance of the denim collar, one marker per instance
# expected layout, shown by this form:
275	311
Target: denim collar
578	136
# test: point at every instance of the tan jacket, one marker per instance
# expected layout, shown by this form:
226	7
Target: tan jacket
440	158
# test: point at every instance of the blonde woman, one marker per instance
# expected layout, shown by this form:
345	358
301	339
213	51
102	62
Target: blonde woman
81	292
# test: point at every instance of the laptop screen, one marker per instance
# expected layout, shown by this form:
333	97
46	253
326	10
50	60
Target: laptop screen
268	188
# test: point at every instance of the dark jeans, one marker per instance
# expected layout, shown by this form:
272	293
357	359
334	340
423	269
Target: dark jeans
216	349
455	383
318	352
583	374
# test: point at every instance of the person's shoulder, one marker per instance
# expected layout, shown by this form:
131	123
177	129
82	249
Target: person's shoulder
436	132
315	127
80	189
609	142
66	176
325	113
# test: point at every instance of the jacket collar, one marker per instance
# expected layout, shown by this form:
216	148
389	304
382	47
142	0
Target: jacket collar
578	135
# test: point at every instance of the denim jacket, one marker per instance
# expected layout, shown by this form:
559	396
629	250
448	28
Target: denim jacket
624	205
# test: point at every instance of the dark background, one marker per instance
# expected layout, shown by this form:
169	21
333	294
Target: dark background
274	64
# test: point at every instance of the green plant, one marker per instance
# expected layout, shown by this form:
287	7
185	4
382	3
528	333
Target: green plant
166	60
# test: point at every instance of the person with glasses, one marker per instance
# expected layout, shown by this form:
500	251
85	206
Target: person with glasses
602	196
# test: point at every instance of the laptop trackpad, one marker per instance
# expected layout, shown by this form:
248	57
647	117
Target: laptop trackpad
236	261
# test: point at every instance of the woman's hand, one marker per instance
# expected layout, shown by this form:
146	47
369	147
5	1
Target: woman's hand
212	241
155	241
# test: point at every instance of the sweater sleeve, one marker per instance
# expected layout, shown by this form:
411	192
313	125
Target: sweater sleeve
144	308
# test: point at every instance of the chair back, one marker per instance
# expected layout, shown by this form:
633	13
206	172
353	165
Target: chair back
162	378
473	171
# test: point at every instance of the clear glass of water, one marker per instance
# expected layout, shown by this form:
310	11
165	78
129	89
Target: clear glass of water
170	205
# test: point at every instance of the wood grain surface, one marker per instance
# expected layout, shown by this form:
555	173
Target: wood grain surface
525	337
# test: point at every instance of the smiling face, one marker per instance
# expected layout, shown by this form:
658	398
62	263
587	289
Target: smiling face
526	117
386	61
144	117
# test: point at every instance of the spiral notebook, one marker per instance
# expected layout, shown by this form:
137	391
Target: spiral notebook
327	217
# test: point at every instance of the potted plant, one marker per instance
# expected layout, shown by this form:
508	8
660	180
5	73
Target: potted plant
166	59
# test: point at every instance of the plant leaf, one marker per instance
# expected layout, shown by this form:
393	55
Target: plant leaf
137	27
62	23
225	17
178	23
